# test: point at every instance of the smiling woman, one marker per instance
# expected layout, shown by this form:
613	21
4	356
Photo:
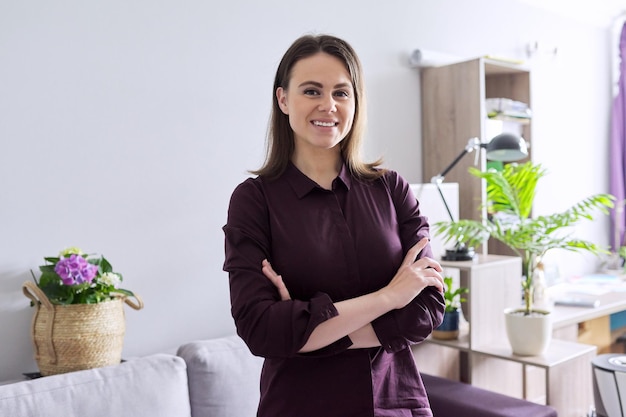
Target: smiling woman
281	135
331	272
319	101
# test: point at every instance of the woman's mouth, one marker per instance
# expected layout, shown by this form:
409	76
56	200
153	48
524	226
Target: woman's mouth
324	124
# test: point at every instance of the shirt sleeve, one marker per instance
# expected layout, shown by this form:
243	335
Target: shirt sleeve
403	327
270	327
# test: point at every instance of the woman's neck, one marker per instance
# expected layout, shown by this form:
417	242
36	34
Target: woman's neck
322	167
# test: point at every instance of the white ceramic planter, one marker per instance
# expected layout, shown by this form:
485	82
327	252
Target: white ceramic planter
528	335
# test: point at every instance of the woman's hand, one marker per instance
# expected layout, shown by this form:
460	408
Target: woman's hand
276	279
413	276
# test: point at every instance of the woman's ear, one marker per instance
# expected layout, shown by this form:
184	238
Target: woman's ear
281	97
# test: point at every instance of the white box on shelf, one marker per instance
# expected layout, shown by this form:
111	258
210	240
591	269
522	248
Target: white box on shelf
432	206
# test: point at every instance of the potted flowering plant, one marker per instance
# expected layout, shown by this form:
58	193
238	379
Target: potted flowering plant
77	278
79	321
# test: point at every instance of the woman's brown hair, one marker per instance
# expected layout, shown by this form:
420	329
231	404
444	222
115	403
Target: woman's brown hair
280	139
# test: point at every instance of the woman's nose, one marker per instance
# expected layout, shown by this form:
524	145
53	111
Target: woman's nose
328	104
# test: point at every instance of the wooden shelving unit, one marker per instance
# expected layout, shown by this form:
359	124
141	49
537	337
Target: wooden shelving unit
453	111
481	356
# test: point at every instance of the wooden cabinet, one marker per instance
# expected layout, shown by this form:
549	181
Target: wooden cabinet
453	100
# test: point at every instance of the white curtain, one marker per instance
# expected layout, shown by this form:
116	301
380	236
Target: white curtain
617	163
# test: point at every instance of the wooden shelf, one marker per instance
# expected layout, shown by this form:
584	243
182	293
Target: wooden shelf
559	352
461	343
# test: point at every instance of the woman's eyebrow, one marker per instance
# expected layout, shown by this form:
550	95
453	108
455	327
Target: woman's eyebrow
320	85
313	83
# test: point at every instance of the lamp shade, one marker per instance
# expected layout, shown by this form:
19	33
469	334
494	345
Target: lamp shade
506	147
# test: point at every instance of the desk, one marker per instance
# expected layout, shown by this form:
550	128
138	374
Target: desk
610	302
571	323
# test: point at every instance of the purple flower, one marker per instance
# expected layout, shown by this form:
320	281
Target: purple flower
75	270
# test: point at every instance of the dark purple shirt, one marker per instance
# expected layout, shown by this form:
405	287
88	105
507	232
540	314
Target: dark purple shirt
328	246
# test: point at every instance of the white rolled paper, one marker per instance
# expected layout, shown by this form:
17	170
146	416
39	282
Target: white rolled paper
424	58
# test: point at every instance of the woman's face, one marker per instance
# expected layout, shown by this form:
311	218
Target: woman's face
319	101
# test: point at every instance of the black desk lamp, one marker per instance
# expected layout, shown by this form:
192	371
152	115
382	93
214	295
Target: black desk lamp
505	147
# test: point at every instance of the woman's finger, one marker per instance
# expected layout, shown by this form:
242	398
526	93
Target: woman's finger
414	251
276	279
424	263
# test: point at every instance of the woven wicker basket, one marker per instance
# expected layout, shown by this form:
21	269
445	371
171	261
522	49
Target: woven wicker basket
73	337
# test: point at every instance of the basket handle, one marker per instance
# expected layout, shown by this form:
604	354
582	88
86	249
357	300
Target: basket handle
135	305
36	295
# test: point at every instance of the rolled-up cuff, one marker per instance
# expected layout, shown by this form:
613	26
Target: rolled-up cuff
322	308
389	333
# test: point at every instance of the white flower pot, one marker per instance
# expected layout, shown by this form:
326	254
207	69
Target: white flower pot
528	335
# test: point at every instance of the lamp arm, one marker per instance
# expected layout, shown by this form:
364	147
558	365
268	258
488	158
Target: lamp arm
445	203
473	143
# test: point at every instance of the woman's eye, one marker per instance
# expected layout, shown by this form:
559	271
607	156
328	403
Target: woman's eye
311	92
342	93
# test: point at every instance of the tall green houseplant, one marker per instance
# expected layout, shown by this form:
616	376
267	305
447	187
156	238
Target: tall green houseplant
510	196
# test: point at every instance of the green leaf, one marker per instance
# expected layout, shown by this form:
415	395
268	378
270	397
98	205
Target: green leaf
511	190
105	265
452	296
49	277
123	291
47	268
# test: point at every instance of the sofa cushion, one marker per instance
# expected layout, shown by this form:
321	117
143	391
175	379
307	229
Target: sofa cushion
153	386
223	377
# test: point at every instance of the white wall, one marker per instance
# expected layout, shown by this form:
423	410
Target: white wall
125	125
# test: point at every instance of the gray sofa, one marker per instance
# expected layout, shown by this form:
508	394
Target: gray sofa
211	378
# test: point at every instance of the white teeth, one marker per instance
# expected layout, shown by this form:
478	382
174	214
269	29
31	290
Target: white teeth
325	124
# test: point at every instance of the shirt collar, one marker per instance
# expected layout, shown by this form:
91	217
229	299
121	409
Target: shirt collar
344	175
302	185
